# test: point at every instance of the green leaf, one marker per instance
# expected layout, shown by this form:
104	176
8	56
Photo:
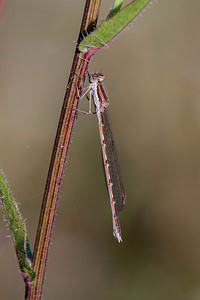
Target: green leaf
18	230
116	7
110	28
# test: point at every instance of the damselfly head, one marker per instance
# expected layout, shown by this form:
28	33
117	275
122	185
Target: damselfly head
96	77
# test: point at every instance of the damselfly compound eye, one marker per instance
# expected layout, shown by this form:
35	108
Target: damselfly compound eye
101	76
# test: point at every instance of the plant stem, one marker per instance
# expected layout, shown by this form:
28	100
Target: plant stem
60	151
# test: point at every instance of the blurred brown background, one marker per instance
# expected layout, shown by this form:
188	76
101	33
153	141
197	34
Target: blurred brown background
152	78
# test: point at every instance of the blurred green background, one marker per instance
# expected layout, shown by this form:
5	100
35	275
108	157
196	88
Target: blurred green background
153	81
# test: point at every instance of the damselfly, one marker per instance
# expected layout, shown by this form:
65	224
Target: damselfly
113	176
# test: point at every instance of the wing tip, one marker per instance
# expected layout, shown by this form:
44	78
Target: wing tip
118	236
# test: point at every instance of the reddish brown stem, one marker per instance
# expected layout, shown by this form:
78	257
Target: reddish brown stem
60	151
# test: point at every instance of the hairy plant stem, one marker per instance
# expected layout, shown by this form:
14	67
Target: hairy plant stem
60	151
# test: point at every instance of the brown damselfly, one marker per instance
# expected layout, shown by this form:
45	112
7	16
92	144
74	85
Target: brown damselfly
113	176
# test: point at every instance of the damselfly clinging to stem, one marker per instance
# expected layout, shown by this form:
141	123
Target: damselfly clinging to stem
114	180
